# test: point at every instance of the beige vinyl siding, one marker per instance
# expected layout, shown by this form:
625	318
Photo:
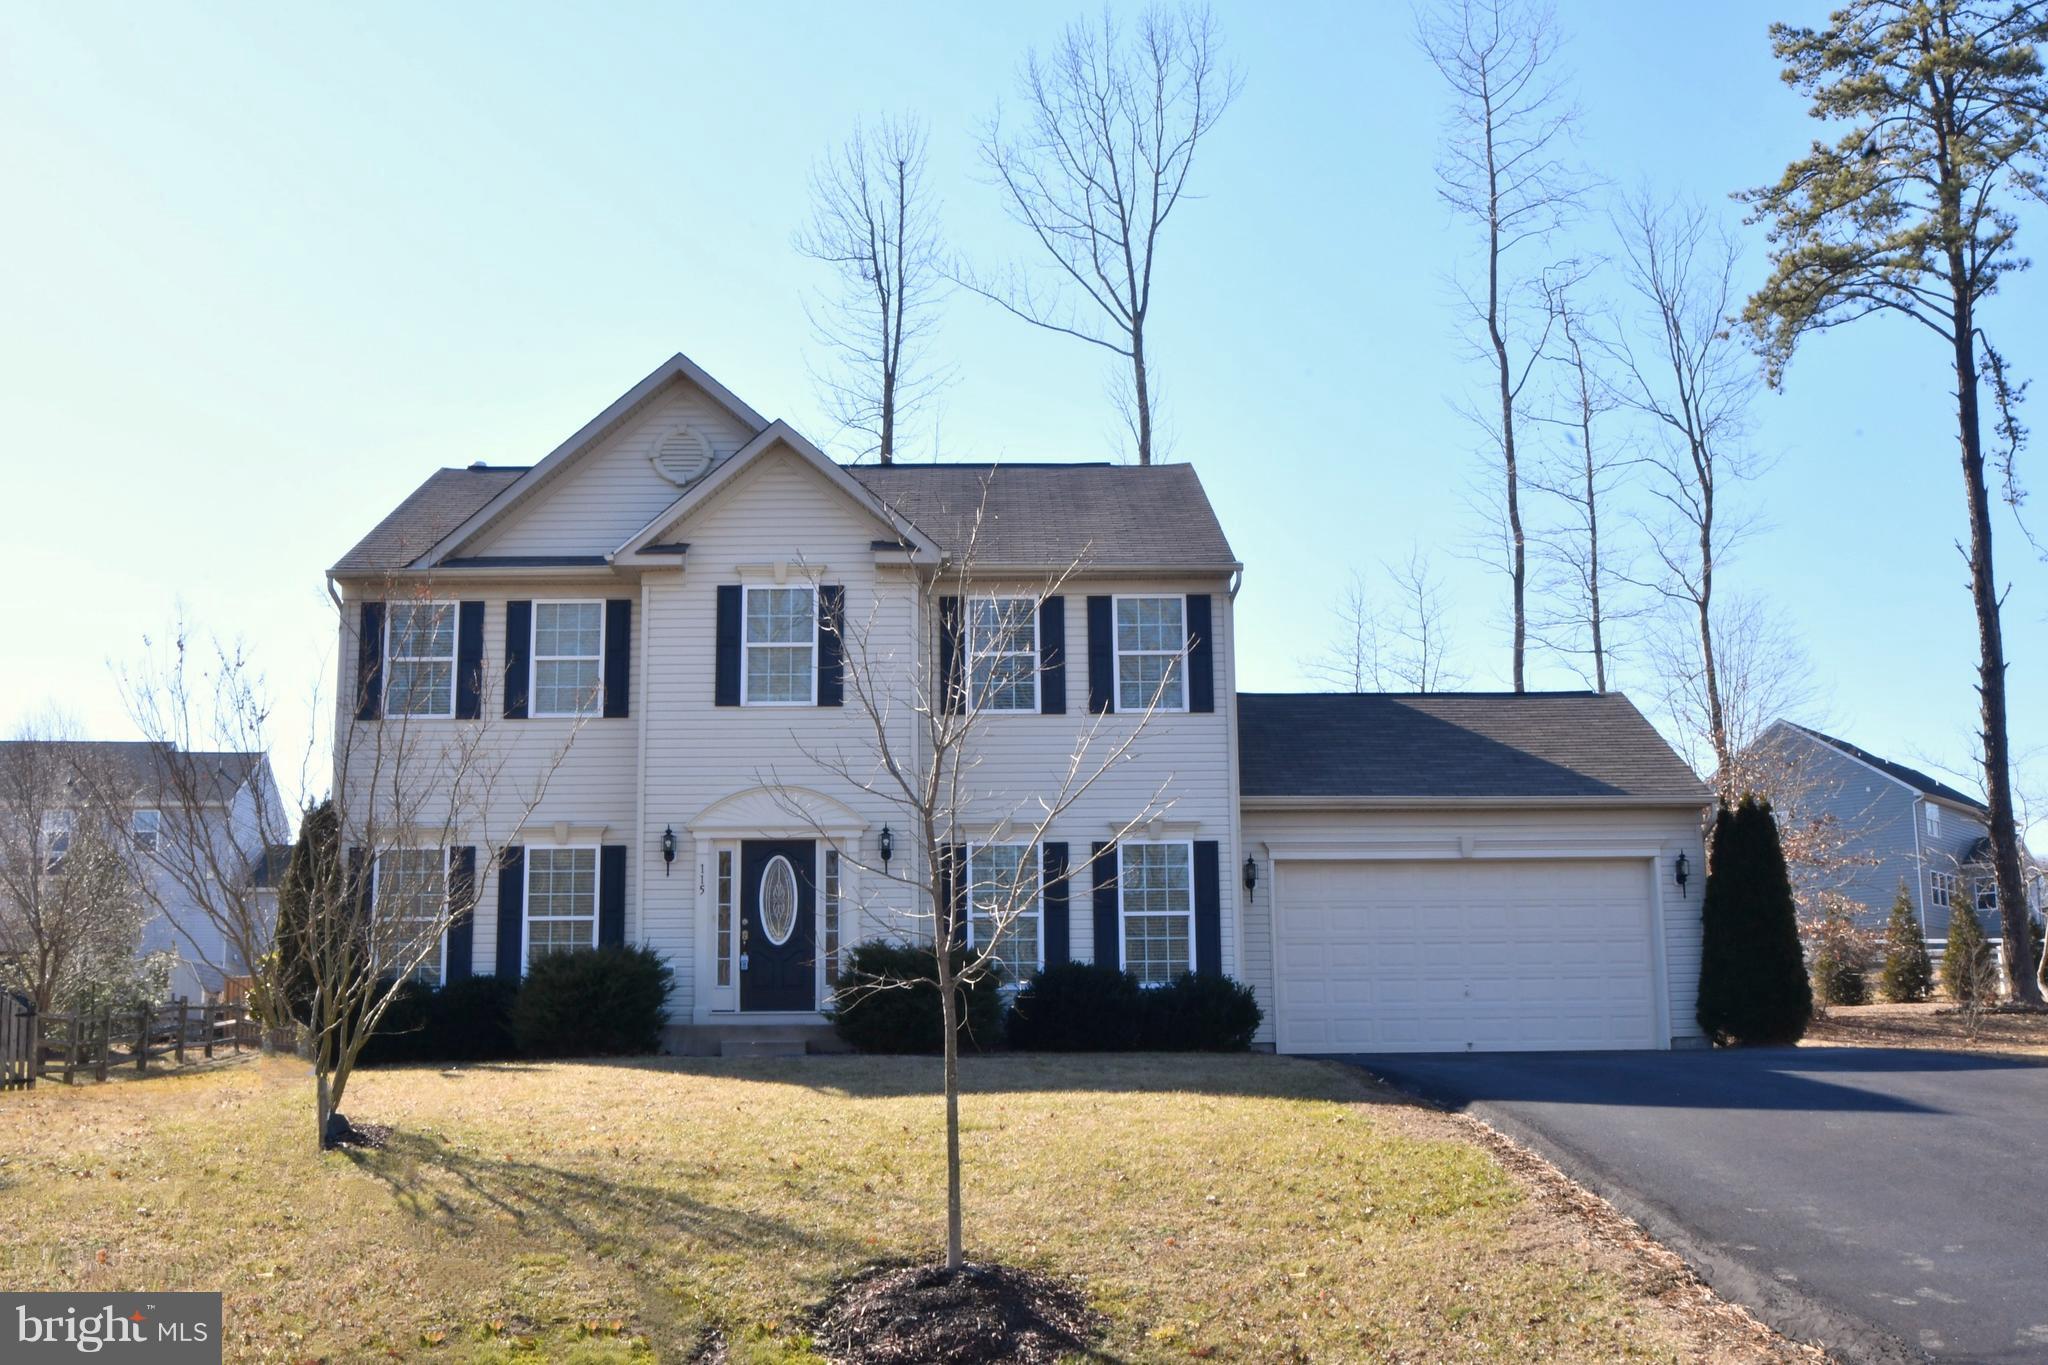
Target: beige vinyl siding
1531	832
596	503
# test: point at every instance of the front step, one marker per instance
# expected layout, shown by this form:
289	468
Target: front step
750	1040
762	1047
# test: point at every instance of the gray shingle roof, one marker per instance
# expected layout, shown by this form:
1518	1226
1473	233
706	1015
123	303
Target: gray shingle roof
1502	745
1912	777
448	498
140	767
1098	515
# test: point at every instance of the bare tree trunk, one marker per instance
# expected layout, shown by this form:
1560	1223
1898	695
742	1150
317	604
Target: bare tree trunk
1518	559
956	1254
1710	669
1143	393
1593	546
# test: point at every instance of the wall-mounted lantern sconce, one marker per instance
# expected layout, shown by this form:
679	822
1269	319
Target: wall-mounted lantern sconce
1682	870
886	843
1251	877
668	849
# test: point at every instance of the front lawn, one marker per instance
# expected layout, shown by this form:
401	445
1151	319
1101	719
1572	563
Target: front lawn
1240	1208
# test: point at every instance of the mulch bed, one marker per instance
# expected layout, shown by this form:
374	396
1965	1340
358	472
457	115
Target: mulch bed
368	1136
982	1315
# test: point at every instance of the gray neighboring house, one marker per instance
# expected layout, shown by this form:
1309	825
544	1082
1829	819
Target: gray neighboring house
1903	826
237	807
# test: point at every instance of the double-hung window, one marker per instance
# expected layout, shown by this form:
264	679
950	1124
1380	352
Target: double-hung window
1003	907
1941	889
419	659
1151	637
1156	887
561	900
1933	821
1986	894
568	658
145	827
58	826
781	647
411	897
1002	653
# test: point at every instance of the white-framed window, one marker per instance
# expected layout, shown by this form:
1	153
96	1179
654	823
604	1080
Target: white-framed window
831	931
1151	637
1933	820
419	659
1984	891
561	900
1003	907
1002	653
1941	889
568	658
411	896
145	827
725	917
58	827
1155	886
781	647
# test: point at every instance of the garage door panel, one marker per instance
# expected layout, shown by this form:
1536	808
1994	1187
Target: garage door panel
1463	956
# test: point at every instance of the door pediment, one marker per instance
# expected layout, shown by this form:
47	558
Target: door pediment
791	812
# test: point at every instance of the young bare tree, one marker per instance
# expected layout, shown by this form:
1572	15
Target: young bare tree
1762	672
1691	381
1107	143
874	223
1913	212
1404	645
221	819
1354	659
1505	170
71	914
971	884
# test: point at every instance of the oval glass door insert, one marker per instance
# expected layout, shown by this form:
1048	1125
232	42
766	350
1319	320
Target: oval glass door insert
778	900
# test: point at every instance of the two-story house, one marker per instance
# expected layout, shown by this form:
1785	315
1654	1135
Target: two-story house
1897	826
658	614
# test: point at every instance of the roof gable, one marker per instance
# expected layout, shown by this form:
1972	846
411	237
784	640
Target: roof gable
1911	778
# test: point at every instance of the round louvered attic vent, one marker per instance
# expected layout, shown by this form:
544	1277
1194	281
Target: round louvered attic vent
682	455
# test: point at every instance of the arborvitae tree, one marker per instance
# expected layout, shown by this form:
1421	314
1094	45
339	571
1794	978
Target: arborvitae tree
314	869
1753	986
1968	974
1908	975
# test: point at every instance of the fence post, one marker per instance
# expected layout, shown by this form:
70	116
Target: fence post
184	1013
72	1036
106	1043
241	1013
210	1014
142	1037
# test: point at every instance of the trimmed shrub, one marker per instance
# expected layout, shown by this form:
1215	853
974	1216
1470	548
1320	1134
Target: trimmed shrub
1908	976
1198	1013
1753	986
1077	1007
1968	975
889	1002
592	1002
471	1021
402	1033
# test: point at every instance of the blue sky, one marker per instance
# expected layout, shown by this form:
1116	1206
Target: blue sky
266	266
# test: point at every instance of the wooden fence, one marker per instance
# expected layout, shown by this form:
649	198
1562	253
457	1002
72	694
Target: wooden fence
73	1047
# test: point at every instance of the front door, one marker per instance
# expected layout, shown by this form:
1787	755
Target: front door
778	925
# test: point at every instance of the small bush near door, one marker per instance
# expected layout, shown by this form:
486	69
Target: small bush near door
592	1002
1085	1007
1198	1013
468	1020
888	1001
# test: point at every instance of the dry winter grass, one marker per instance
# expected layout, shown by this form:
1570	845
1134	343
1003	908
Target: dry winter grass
1936	1025
1240	1208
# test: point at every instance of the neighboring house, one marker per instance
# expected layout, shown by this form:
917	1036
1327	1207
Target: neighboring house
227	799
1386	872
1897	825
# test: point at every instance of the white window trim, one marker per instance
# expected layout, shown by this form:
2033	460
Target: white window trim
1037	910
1979	886
534	659
725	899
1935	891
454	655
1933	820
747	647
156	833
526	898
447	884
831	917
58	825
971	653
1123	955
1119	653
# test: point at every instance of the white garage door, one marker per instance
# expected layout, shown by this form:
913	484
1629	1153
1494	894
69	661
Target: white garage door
1463	956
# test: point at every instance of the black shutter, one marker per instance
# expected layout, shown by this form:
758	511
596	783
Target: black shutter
1052	656
1101	657
518	642
469	664
511	911
462	922
1102	863
370	662
831	644
1201	655
618	657
951	691
611	896
1053	926
1208	909
726	691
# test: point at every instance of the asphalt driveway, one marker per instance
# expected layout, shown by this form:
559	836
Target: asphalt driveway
1891	1204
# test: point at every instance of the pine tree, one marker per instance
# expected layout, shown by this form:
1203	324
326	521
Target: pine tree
1908	975
1967	972
1753	986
